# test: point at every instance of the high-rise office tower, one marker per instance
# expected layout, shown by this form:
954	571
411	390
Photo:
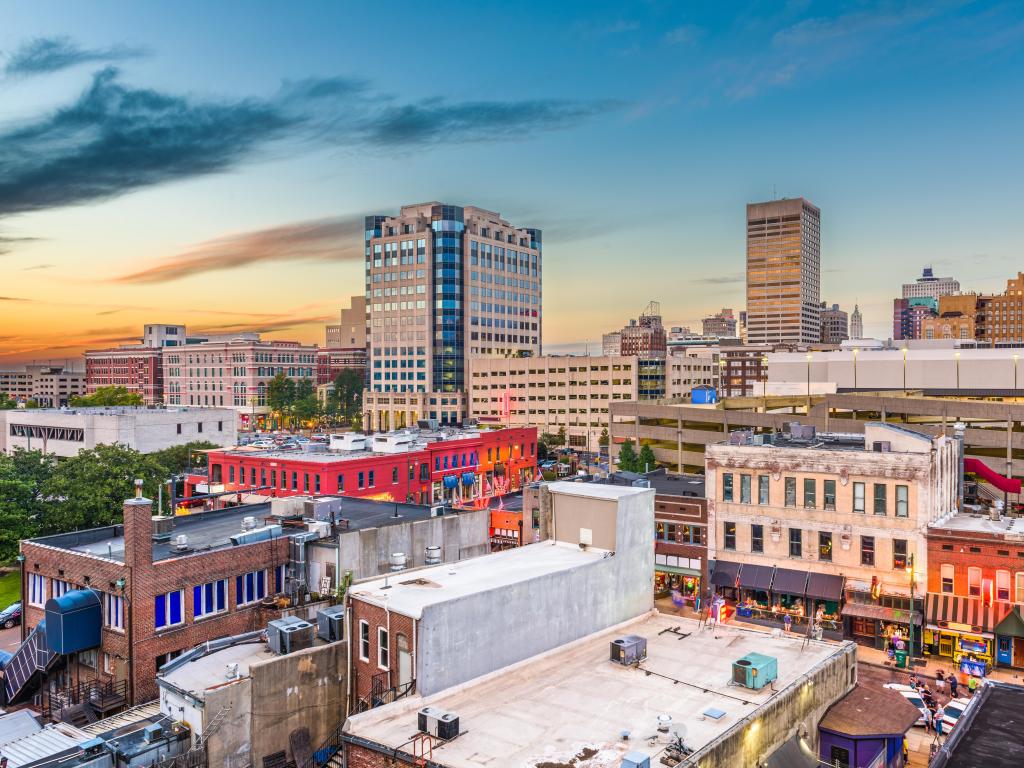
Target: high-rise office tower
783	272
444	282
856	323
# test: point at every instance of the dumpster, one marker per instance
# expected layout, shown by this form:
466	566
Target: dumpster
901	659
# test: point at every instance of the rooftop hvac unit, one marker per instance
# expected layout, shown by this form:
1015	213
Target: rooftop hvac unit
248	523
163	527
634	759
627	650
397	561
330	623
881	446
181	543
437	722
437	510
755	670
152	732
289	634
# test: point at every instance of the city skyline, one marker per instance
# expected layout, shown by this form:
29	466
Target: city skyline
217	176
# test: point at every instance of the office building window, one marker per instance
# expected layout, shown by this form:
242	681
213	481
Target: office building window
113	611
1003	586
825	546
168	609
867	550
729	536
250	587
810	488
762	489
790	491
899	554
902	501
858	497
727	486
796	542
1019	587
881	503
210	598
36	589
830	494
60	587
756	538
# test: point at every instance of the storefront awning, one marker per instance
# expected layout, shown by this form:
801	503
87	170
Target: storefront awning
1012	625
825	586
871	611
967	614
677	570
789	582
757	577
726	574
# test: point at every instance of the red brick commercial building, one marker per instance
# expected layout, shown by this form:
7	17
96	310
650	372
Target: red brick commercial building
333	360
159	593
452	465
137	369
975	600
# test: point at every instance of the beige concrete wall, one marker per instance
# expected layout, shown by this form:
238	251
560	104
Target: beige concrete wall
229	746
303	689
571	514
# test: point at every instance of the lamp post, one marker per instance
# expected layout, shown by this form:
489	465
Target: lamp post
1015	359
904	371
764	381
855	351
910	571
809	383
956	356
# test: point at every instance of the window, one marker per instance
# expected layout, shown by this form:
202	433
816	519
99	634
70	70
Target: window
796	542
830	494
727	486
867	550
200	425
60	587
316	483
210	598
362	480
947	579
762	489
810	490
179	429
279	574
744	489
341	483
858	497
757	538
839	757
382	648
825	546
902	501
113	611
163	658
1003	586
881	502
364	640
394	475
790	491
168	609
250	587
974	582
36	589
729	536
295	481
899	554
1019	588
370	473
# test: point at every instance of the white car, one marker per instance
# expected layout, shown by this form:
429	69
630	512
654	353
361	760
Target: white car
910	693
263	444
952	710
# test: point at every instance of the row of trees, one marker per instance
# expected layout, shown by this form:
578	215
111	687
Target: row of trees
106	396
630	461
296	402
40	496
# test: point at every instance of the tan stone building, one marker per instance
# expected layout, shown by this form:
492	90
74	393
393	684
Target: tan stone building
800	519
551	392
689	368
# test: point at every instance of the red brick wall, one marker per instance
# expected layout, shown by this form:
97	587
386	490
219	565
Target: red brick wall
990	552
361	757
363	671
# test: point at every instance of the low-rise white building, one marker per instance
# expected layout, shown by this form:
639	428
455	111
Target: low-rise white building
66	431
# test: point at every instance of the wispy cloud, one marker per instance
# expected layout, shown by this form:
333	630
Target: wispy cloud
14	298
333	239
37	267
270	326
687	34
43	55
6	242
732	279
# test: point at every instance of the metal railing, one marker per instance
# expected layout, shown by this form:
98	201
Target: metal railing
102	696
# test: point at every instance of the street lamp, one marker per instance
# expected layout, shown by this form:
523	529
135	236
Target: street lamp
1015	359
956	356
910	571
855	351
809	383
904	371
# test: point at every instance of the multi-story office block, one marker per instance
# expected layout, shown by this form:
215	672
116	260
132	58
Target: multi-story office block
783	272
721	324
49	386
444	283
929	285
835	326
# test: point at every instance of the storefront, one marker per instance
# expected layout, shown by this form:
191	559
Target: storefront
789	593
1010	640
755	589
680	576
882	622
726	579
824	596
962	630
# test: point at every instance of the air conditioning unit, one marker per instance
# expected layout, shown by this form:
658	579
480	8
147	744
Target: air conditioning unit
163	527
289	634
631	649
755	670
437	510
152	733
634	759
437	722
330	623
181	544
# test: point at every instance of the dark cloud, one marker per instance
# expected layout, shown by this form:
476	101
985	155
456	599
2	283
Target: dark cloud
738	277
269	326
13	298
333	239
436	121
51	54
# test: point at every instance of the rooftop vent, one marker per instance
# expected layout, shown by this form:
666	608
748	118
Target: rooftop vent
163	527
432	555
631	649
231	671
881	446
755	671
152	733
181	544
634	759
437	722
397	561
248	523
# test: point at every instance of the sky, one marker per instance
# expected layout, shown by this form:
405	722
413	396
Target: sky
210	163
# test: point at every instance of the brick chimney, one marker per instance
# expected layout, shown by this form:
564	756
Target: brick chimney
138	529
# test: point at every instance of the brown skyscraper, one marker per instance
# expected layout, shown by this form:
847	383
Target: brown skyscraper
783	272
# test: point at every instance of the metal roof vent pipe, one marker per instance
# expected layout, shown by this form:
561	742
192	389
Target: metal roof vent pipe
432	555
397	561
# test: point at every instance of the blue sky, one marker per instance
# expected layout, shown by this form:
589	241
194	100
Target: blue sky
144	144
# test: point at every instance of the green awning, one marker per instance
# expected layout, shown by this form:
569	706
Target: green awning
677	570
1012	625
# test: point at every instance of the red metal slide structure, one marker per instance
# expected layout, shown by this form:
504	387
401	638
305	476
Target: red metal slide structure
990	476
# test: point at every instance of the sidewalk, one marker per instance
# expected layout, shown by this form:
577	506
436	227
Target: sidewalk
929	665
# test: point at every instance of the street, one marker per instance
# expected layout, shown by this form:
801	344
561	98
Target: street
10	639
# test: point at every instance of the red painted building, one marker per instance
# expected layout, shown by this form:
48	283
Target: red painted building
975	588
137	369
458	466
333	360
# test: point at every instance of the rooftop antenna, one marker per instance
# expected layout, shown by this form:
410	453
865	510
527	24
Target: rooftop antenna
774	194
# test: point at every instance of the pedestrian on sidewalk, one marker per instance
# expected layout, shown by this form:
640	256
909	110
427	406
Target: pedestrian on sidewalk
953	683
972	684
940	713
940	682
929	719
787	622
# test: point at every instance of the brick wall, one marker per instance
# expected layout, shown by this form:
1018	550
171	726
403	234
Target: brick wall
970	549
364	671
361	757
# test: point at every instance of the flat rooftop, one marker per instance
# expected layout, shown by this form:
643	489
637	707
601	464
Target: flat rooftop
980	522
209	670
212	530
663	483
550	708
989	731
409	592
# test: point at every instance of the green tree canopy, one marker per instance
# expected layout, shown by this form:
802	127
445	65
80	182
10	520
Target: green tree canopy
646	462
22	506
7	402
107	396
627	457
281	395
345	402
179	458
603	439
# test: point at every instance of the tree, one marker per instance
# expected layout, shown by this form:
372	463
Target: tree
346	399
554	440
107	396
306	409
22	476
281	395
88	490
627	457
7	402
179	458
603	439
645	461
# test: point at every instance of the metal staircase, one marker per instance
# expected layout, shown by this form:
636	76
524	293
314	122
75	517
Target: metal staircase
33	656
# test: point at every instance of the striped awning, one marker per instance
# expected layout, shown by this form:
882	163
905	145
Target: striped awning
967	614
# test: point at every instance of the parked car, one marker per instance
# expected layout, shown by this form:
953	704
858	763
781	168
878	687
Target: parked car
264	444
910	693
952	710
11	615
